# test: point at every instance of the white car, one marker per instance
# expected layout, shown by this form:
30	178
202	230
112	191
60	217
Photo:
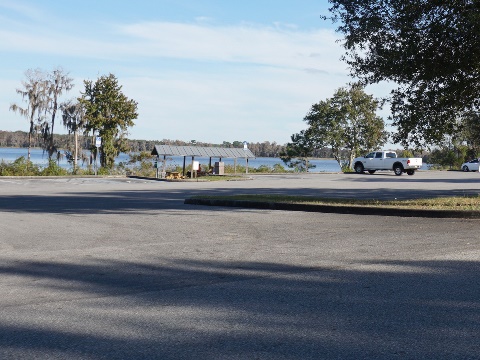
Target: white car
471	165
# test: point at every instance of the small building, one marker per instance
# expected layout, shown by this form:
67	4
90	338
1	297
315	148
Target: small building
206	152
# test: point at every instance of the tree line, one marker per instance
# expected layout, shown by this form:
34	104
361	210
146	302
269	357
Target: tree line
20	139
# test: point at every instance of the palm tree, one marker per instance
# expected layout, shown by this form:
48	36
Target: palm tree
74	120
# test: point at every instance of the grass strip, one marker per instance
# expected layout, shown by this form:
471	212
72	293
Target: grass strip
465	203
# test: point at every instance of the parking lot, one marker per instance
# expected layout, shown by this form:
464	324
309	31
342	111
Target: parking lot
123	269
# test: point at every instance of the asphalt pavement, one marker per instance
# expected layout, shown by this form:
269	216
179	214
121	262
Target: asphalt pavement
123	269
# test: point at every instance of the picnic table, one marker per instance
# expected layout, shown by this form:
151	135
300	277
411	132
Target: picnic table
173	175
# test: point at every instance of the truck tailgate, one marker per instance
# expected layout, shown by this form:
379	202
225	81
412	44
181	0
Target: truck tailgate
416	162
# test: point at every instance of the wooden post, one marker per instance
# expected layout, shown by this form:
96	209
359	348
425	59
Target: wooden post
164	167
191	169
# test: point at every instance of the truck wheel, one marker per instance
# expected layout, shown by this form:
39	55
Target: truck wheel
410	172
398	170
465	168
359	168
371	171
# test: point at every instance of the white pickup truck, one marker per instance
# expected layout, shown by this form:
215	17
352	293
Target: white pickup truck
386	160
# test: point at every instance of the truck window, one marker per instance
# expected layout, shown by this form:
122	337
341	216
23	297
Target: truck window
369	156
379	155
391	155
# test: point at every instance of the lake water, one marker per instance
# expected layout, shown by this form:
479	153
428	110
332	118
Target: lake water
38	157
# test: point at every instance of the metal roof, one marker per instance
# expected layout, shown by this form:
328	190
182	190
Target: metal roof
202	151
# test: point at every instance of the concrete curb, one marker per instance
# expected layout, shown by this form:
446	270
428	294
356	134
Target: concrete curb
355	210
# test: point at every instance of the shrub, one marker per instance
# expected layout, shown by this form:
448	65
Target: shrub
53	169
279	168
20	167
346	167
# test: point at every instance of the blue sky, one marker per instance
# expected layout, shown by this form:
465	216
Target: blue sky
205	70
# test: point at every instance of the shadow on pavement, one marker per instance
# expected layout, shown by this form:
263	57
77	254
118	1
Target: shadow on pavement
222	310
117	202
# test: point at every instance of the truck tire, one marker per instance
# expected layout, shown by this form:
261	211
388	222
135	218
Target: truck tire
371	171
398	169
465	168
359	169
410	172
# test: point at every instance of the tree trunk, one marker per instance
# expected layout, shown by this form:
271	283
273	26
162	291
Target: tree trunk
350	161
75	154
50	145
336	155
29	142
30	137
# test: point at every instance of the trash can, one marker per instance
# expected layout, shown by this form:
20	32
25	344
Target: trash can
219	168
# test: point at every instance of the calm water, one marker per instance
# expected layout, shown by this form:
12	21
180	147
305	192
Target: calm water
38	157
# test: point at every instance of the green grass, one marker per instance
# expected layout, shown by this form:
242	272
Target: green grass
464	203
215	178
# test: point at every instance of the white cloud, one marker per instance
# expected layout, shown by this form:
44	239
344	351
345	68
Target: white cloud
239	82
271	46
30	12
265	105
237	44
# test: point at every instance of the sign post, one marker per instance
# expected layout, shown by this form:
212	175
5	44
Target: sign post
155	165
98	143
245	147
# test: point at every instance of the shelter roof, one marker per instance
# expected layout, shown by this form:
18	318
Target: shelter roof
201	151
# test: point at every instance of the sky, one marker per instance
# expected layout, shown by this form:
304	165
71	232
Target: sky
204	70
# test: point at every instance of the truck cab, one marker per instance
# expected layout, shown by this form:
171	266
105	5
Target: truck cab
375	160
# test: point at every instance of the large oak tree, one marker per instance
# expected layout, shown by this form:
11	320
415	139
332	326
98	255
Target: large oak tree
108	114
346	122
429	48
